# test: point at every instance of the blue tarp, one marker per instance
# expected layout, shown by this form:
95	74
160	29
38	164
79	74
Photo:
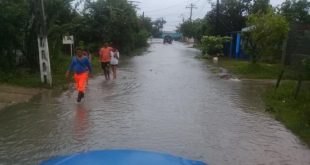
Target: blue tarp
234	48
120	157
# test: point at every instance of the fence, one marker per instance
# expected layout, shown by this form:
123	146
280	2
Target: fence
296	52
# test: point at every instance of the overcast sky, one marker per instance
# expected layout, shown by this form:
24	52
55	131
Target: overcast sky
173	11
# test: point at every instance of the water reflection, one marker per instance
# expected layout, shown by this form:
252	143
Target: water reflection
165	101
81	123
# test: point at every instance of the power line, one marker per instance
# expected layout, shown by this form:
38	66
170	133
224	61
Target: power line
168	14
203	7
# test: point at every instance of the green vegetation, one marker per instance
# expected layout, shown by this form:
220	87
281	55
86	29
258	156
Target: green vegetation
158	25
193	29
21	77
294	113
267	31
213	45
267	26
231	18
27	78
257	45
90	22
296	11
247	70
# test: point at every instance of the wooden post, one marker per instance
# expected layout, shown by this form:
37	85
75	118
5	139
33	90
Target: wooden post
279	78
298	86
284	45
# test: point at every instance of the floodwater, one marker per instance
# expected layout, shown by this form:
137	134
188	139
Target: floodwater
165	100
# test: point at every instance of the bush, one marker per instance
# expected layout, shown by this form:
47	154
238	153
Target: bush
141	38
212	45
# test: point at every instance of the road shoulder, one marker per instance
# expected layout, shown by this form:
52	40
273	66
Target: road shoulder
10	95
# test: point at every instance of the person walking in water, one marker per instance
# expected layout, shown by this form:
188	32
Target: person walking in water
114	61
105	59
81	68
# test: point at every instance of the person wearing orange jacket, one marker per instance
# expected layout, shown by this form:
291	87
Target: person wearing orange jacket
105	58
81	67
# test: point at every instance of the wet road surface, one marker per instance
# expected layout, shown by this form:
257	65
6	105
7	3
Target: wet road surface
165	100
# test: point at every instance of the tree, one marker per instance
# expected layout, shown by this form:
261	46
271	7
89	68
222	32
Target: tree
13	18
266	35
260	6
158	26
146	23
193	29
296	11
114	21
231	17
59	15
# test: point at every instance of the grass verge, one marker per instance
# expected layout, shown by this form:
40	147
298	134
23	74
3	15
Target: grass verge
244	69
59	64
21	77
26	78
247	70
293	113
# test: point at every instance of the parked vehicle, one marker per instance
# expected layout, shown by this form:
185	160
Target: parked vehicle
168	39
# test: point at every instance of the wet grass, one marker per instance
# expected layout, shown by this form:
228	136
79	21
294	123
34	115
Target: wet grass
59	65
21	77
247	70
293	113
206	57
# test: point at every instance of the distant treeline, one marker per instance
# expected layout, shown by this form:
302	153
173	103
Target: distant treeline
90	22
267	26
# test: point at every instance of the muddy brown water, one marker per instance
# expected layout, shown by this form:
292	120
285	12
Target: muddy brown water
165	100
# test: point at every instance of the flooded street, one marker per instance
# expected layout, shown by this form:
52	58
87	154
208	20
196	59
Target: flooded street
165	100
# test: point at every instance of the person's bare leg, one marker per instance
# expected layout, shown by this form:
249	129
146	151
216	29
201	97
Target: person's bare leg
108	73
114	71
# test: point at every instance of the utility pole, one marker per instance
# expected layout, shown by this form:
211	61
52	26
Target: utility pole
191	6
217	16
44	58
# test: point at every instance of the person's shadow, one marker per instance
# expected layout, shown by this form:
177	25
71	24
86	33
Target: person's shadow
81	123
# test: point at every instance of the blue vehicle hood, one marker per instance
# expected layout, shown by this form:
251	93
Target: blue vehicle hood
120	157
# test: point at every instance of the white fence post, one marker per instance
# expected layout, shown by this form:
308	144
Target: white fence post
44	59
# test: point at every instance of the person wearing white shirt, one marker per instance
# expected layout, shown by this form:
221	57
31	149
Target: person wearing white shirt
114	61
